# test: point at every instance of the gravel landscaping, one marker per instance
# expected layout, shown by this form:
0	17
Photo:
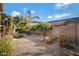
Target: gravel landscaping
31	46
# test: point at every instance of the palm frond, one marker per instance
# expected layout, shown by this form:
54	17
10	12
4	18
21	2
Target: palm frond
36	17
29	12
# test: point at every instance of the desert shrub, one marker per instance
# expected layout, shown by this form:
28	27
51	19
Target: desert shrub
64	41
48	40
6	46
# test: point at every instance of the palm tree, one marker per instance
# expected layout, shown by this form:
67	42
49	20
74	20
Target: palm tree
29	19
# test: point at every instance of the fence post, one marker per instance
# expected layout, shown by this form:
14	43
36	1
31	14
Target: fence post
76	41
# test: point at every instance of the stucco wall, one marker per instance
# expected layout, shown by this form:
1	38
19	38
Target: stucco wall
68	30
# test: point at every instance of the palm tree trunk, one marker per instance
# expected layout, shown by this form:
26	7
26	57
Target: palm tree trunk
1	11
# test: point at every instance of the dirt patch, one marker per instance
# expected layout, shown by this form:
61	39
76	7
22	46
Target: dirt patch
31	46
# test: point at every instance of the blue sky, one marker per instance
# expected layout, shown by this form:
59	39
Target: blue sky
46	11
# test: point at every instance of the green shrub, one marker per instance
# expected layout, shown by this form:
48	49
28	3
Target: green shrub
22	25
68	46
6	46
34	28
41	28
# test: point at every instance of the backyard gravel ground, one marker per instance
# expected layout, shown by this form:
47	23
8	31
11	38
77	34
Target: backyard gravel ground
30	45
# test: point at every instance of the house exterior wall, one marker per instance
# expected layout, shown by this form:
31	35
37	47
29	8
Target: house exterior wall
69	30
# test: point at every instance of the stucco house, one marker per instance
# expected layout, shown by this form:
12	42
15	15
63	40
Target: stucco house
68	27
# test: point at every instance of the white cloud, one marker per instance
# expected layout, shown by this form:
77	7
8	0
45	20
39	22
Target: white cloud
32	11
49	17
58	16
15	13
62	5
25	9
61	15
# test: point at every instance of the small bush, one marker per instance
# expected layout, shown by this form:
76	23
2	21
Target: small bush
48	40
67	46
6	46
64	41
